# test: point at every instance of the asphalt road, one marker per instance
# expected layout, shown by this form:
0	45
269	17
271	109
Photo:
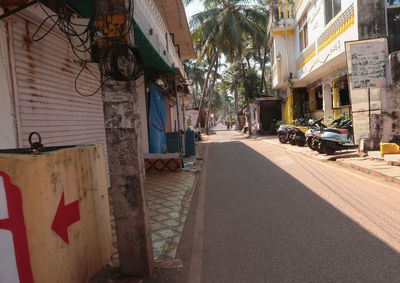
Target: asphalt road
262	214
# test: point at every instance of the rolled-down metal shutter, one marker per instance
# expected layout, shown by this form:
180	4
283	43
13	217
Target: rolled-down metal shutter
44	73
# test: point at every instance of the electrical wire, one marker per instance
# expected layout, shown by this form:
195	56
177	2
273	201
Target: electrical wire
102	83
109	58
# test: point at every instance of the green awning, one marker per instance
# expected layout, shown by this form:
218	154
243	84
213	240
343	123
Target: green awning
84	8
152	60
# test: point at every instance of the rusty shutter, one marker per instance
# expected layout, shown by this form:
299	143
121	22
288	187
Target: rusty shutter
46	100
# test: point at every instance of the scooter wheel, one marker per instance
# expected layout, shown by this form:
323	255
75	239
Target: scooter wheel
314	145
309	143
282	138
301	142
320	148
328	149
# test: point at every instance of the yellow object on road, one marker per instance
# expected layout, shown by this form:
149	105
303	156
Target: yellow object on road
389	148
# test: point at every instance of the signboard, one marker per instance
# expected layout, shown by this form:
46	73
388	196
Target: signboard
366	62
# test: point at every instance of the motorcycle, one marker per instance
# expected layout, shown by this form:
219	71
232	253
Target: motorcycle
283	133
336	139
297	133
292	133
315	131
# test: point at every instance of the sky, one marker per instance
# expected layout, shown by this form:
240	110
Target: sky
193	8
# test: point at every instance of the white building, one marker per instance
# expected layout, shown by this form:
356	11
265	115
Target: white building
307	40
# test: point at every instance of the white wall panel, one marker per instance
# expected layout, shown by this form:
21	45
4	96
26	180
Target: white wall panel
46	99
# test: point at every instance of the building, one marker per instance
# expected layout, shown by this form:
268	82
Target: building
307	40
46	88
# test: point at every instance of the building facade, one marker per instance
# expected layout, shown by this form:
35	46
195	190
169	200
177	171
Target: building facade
307	40
46	88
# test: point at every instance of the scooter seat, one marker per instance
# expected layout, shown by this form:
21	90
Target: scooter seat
337	131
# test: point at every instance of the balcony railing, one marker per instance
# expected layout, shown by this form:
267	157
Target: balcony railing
282	15
337	27
306	55
341	23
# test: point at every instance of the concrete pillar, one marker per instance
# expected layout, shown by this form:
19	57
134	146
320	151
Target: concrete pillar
125	155
127	174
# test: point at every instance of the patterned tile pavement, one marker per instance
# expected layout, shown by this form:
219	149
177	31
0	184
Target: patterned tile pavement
168	196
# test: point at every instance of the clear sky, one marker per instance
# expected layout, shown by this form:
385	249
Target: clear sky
193	8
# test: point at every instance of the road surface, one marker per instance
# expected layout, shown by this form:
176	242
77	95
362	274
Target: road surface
262	214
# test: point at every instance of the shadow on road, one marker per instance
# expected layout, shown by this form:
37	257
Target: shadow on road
262	225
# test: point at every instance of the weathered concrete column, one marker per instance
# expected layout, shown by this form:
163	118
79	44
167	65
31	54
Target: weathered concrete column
125	155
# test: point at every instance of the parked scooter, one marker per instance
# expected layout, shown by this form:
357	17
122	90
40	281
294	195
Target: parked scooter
336	139
292	133
283	133
297	133
316	130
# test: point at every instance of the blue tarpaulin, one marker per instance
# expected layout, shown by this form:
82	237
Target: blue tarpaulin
157	116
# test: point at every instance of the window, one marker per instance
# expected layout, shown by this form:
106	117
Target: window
332	8
303	33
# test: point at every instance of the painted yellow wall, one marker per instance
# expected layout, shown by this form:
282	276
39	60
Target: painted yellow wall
287	114
80	173
335	99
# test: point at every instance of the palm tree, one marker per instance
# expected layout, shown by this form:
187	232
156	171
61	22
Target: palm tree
220	29
210	99
196	74
232	81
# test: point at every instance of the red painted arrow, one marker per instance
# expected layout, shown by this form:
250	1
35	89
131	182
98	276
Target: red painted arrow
66	215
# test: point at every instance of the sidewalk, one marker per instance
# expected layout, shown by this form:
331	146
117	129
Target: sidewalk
372	164
168	195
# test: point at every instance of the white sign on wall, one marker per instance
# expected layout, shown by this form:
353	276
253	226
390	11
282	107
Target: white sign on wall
366	62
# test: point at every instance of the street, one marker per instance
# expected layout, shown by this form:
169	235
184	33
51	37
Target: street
262	214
